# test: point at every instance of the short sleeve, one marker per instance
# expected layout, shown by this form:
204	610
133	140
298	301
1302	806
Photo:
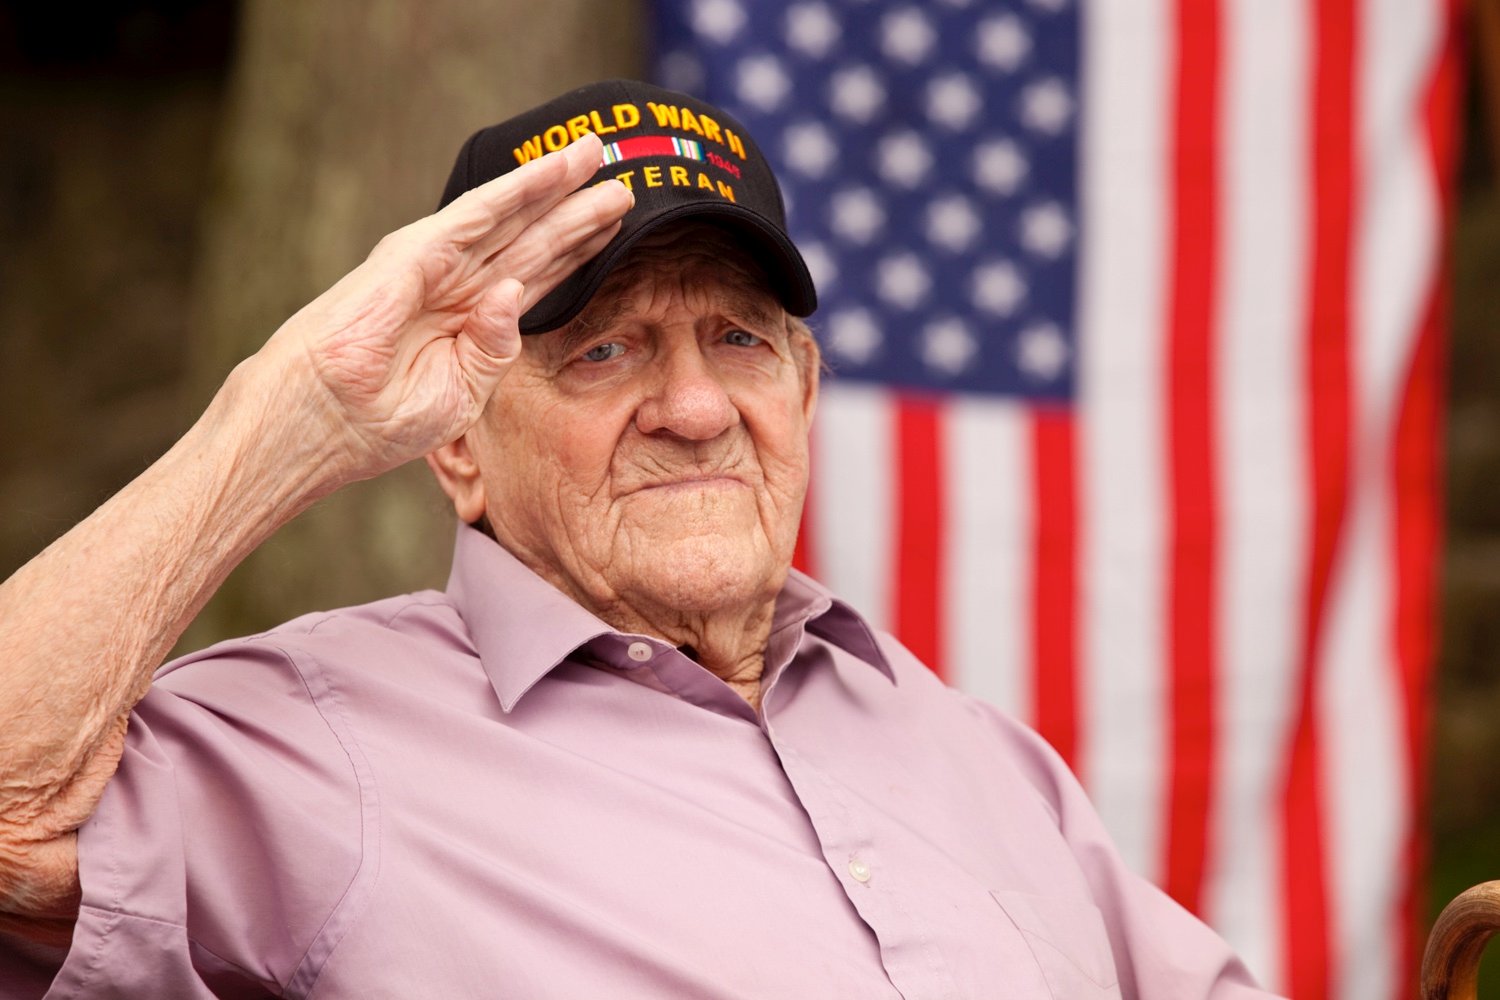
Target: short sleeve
225	857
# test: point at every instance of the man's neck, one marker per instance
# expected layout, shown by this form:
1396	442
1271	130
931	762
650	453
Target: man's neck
731	645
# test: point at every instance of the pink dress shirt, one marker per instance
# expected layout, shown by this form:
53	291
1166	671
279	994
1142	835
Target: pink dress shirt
490	793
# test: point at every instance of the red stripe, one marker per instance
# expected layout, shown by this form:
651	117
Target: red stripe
1193	514
1417	469
1328	393
645	145
918	581
1054	583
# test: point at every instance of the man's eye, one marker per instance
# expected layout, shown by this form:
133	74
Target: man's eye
603	352
741	338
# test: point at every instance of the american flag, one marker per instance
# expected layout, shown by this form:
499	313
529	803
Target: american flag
1134	314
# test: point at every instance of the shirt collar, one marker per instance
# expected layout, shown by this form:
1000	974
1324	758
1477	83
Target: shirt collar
803	599
522	626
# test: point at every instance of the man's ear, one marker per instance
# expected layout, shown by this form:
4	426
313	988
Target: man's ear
809	361
458	474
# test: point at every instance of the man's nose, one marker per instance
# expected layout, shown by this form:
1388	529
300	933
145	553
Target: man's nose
687	397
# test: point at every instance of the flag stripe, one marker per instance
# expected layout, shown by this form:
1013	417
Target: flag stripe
1262	324
1054	571
1328	389
1416	470
1121	316
1398	213
1189	362
988	545
919	586
853	496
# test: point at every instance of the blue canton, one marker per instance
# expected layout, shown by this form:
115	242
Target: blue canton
928	158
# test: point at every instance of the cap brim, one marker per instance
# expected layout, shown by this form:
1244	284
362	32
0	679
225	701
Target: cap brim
776	254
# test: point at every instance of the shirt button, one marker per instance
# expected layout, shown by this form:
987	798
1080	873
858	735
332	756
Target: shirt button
859	871
639	651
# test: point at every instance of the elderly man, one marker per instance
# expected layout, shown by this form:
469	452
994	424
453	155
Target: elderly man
628	752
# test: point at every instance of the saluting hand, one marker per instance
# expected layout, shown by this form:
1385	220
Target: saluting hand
402	354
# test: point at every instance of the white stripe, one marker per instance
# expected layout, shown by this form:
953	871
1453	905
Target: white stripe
1367	783
1261	440
853	493
1121	318
988	551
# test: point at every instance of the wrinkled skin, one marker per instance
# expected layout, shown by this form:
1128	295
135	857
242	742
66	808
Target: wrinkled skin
650	459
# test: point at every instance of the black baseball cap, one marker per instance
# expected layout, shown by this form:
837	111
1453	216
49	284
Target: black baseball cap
682	159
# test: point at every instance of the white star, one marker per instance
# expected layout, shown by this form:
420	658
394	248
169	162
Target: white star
903	159
718	20
810	149
952	223
857	93
907	36
1041	351
820	264
1002	42
762	82
1047	106
953	100
903	281
996	287
681	71
999	166
812	29
1046	229
857	214
854	336
948	346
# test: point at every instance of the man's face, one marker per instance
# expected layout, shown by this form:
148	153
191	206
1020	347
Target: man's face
653	453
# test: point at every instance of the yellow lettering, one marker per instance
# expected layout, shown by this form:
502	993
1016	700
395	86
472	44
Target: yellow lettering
690	122
626	115
555	138
598	124
726	190
710	128
625	179
704	182
577	127
652	176
665	114
735	145
529	149
679	176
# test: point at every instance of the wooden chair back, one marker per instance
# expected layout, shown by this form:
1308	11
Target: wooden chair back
1450	965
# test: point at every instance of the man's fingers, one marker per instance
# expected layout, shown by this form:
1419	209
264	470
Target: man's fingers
494	213
558	236
491	337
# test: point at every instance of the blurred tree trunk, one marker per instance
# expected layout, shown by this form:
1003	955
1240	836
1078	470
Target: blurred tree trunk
341	123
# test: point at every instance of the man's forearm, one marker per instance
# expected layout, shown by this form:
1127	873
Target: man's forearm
84	624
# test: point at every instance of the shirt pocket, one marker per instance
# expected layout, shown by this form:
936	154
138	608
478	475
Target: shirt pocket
1069	942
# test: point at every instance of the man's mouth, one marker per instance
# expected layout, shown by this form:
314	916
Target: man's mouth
694	482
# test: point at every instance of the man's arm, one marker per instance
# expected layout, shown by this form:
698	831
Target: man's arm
399	357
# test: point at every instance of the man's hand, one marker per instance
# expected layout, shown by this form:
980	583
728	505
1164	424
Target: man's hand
405	351
396	359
